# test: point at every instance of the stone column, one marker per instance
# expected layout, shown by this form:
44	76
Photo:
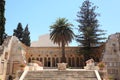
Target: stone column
11	67
43	61
55	61
51	62
58	60
71	61
46	61
75	63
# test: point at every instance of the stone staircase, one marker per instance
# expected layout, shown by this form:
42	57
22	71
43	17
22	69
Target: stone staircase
61	75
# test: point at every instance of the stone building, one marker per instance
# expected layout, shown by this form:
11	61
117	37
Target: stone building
13	53
111	56
43	41
50	56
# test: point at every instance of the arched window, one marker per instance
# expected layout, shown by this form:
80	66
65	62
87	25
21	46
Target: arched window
53	62
37	59
41	60
48	62
69	62
56	61
29	60
33	58
6	55
77	62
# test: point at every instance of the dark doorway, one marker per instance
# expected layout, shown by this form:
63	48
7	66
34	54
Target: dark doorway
49	63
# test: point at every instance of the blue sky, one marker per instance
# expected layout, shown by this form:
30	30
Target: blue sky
40	14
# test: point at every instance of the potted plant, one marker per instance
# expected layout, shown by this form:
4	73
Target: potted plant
101	65
22	66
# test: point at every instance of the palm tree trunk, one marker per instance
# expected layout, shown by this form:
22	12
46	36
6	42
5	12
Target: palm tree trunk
63	52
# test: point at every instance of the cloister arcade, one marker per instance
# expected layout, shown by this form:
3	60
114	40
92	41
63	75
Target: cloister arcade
50	56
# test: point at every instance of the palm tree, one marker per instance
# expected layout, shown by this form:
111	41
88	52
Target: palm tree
61	34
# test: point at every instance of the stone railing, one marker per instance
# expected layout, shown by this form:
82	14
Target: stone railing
29	67
34	67
97	75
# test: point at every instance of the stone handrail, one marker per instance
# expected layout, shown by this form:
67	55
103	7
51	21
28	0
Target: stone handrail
24	73
97	75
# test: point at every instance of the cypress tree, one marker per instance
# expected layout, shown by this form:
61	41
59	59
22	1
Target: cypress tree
2	21
26	36
89	33
19	32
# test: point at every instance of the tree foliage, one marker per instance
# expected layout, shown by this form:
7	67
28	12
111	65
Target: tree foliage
26	36
19	32
61	34
22	34
90	34
2	21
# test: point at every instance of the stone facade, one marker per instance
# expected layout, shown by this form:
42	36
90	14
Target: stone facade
50	56
111	56
13	54
43	41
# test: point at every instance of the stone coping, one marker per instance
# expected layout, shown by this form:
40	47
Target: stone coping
66	70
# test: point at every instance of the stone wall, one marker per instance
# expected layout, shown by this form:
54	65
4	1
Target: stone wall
50	56
111	56
15	53
12	55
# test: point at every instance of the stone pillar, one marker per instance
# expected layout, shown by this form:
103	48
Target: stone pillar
11	67
66	60
51	62
75	63
47	62
55	61
58	60
43	61
70	62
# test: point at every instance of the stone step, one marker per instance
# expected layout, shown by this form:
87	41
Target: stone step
61	75
61	79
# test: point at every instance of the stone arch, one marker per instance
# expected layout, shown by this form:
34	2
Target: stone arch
77	62
37	59
33	58
29	60
49	62
69	62
41	59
